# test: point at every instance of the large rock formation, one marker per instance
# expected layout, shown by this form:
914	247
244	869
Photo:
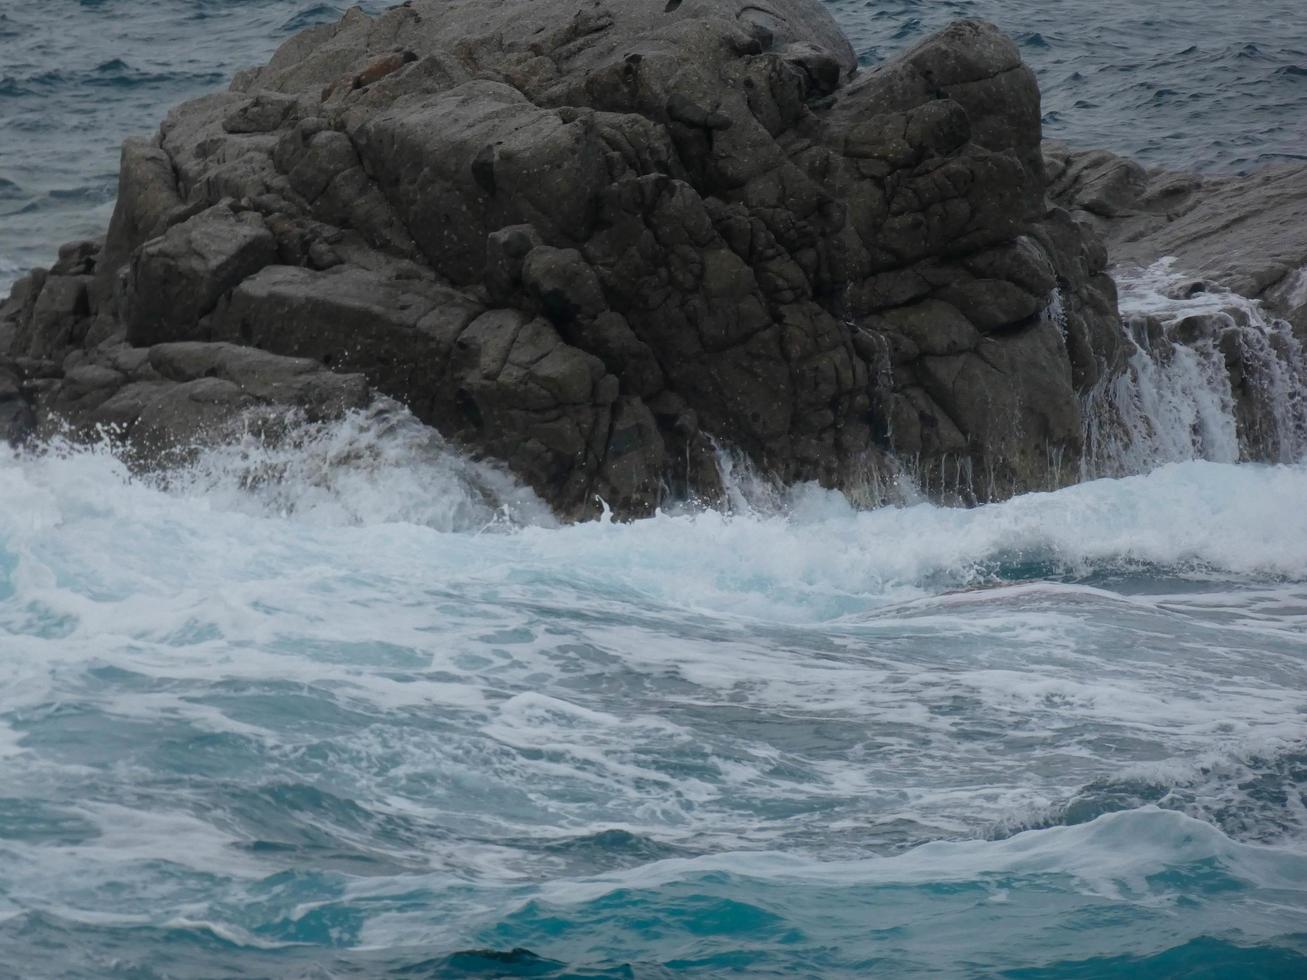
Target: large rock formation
589	239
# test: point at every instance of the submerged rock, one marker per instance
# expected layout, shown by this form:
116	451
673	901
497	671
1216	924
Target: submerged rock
590	241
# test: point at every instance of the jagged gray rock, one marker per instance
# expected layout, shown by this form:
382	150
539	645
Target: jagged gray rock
592	239
177	278
170	398
1245	233
16	418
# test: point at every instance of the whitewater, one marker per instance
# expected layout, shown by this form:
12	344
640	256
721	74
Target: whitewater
355	705
349	707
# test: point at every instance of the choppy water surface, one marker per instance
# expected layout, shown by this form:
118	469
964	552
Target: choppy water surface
359	720
357	707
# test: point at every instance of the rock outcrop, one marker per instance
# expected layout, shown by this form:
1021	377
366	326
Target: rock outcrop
1246	233
1229	240
589	240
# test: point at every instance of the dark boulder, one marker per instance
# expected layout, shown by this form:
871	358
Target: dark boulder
164	401
175	279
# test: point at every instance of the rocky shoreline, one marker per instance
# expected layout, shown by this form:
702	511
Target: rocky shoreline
592	242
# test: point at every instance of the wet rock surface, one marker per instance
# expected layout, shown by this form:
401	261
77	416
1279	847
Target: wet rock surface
1244	233
1229	240
592	241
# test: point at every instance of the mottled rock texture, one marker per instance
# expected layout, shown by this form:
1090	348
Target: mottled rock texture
590	239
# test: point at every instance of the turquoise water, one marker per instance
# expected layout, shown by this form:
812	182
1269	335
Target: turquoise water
357	707
367	719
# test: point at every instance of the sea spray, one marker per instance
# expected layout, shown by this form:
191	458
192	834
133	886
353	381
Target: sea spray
374	465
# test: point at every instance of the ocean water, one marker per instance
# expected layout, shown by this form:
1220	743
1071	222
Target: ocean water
355	706
350	709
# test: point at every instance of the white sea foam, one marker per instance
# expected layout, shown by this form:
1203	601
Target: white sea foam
1116	865
871	622
374	466
1117	849
821	557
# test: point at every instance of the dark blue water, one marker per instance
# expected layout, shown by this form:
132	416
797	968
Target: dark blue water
356	708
